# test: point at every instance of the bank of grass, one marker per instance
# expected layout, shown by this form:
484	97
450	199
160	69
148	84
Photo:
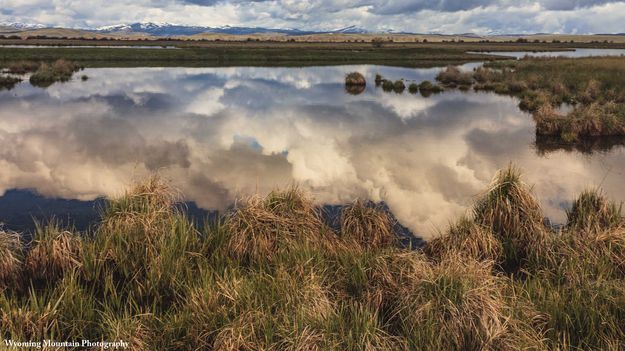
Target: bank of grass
59	71
272	275
591	86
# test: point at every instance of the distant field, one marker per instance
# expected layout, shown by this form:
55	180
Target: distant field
219	53
403	38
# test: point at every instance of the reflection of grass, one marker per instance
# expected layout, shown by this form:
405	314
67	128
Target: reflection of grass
272	275
8	83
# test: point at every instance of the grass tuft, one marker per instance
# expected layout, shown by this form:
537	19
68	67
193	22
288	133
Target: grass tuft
591	211
367	225
11	258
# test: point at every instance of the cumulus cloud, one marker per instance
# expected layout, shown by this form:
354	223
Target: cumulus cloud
450	16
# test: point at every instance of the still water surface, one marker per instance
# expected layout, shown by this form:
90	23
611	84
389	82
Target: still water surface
575	53
222	133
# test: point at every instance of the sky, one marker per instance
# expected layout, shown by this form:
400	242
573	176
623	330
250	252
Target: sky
417	16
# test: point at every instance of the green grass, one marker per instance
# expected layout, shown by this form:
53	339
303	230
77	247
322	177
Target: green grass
592	86
272	275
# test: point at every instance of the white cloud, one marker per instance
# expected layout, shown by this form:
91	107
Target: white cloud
455	16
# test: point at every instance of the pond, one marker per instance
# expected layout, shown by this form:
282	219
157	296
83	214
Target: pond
220	134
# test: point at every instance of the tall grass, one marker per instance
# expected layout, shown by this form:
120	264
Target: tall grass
59	71
272	275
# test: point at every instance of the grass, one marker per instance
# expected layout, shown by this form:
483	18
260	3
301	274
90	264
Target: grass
355	83
399	86
271	274
59	71
426	88
591	86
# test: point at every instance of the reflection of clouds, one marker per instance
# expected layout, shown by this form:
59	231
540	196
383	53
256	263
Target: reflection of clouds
220	133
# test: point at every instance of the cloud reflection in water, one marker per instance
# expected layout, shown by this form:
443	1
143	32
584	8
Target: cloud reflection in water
222	133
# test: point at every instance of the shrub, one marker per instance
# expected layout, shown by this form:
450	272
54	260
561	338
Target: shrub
413	88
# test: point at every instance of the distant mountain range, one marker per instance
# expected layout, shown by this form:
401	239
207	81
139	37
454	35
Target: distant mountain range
168	29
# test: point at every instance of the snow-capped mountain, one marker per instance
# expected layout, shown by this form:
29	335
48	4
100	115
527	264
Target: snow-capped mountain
169	29
22	26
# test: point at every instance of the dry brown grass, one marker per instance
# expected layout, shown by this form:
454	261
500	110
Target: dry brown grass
368	225
355	79
11	258
260	227
453	76
592	211
511	212
455	304
54	252
468	239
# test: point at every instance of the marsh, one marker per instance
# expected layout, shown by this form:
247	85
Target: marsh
222	133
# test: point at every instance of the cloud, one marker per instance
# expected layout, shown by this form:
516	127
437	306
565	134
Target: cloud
450	16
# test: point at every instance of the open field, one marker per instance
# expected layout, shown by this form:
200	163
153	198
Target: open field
209	53
321	37
272	275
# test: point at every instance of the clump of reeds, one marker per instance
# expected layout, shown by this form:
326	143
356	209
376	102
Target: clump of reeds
426	88
452	76
22	67
399	86
355	79
368	225
59	71
54	251
11	258
509	210
140	240
378	80
387	85
458	304
468	239
259	227
592	211
413	88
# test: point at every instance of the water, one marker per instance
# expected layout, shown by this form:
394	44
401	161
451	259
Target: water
575	53
223	133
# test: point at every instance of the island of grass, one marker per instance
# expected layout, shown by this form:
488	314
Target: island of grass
272	274
592	87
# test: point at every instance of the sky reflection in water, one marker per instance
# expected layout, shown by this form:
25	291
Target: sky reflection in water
223	133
